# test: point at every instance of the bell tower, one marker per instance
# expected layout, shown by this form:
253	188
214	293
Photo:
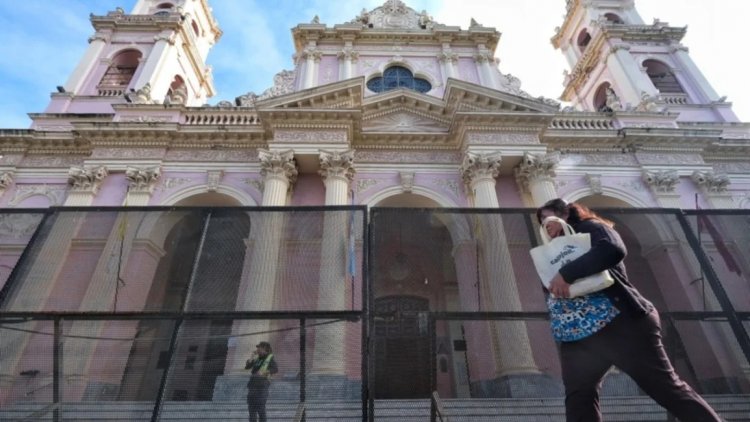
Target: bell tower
620	63
156	54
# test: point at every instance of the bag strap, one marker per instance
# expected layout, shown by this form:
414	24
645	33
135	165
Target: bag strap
567	228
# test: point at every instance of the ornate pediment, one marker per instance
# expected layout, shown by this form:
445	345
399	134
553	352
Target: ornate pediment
403	121
338	95
394	14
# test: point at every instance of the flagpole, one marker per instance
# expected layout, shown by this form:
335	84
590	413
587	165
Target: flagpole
700	243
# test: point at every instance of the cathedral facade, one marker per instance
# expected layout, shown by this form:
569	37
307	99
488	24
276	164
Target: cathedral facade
390	109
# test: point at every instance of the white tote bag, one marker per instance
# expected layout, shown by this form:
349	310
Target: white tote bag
554	253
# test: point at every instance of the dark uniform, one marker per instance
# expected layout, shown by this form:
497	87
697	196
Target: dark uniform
257	387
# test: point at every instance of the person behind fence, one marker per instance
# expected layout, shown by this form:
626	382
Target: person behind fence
261	366
615	326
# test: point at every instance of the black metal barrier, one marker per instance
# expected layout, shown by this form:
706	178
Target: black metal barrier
150	313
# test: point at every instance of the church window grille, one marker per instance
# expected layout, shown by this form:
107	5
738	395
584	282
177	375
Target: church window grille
396	77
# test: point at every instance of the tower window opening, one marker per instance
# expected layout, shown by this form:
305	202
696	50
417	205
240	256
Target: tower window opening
396	77
613	18
195	28
177	93
122	69
600	98
583	40
165	6
662	77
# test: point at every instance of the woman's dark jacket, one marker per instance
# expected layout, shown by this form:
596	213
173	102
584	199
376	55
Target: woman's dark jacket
607	253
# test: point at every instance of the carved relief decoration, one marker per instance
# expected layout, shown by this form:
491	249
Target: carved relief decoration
283	83
364	184
656	159
403	122
142	180
6	180
86	179
173	182
480	166
18	225
54	194
279	164
595	183
310	137
536	167
449	185
501	138
435	157
711	182
256	183
213	179
661	181
337	164
407	181
394	14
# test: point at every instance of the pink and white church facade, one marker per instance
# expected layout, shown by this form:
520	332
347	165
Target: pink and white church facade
390	109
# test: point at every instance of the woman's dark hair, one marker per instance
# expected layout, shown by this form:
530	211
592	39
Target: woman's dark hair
576	212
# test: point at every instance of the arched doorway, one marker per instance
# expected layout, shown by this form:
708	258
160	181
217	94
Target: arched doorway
199	271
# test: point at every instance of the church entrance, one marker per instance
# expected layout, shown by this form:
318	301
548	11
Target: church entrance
402	348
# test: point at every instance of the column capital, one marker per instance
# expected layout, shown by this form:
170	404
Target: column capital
348	53
661	181
6	180
337	164
484	57
142	179
447	56
312	53
278	164
710	181
476	167
536	167
86	179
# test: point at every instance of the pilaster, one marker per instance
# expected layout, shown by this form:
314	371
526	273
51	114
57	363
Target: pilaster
714	188
141	184
663	184
84	184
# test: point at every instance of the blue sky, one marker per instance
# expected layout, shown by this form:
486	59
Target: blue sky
43	40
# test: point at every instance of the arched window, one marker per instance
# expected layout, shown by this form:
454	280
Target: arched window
195	28
122	69
662	77
600	98
398	77
164	9
611	17
583	40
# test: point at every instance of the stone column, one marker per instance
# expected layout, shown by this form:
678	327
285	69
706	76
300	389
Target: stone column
84	185
536	175
349	57
258	282
337	170
155	61
93	53
42	276
141	184
483	58
448	59
513	353
313	55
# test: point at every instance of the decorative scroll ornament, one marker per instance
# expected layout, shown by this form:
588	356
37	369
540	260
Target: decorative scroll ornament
86	179
337	164
710	181
283	83
479	166
6	180
661	181
536	167
395	14
142	180
278	164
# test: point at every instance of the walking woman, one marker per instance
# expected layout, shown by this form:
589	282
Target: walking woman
615	326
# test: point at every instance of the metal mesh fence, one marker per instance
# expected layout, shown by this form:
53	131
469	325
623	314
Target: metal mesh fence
152	314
